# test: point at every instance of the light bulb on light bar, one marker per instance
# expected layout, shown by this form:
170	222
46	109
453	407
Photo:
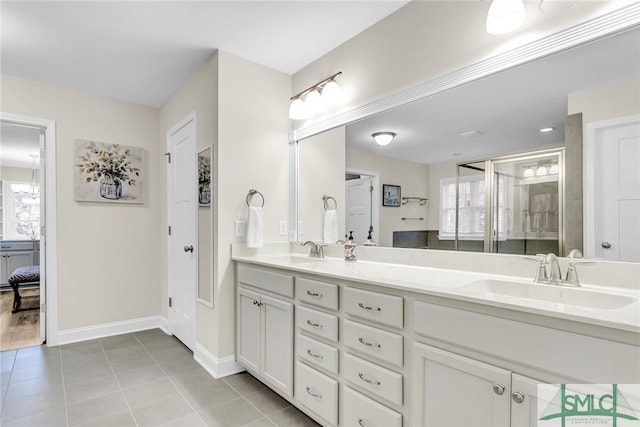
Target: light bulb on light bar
298	110
313	102
331	93
383	138
505	16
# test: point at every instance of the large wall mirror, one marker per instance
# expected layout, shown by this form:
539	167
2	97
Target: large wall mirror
487	119
205	227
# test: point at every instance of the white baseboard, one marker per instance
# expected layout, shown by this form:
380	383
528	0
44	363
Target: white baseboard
218	368
69	336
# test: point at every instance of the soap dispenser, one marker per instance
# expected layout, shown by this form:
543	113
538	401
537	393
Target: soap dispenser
350	248
369	241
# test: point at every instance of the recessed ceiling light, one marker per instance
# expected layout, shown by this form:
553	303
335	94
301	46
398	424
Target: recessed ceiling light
545	130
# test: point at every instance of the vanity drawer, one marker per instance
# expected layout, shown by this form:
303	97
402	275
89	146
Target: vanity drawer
374	342
318	293
378	380
268	280
318	323
374	306
359	410
317	392
317	353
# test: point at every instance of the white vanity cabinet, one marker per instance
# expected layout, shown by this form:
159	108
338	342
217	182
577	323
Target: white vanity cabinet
265	326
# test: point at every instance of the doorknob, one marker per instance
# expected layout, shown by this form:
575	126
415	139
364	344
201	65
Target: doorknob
188	248
605	245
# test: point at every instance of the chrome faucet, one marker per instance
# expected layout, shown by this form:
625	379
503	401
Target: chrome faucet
549	269
317	249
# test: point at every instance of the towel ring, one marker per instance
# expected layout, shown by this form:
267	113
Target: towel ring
252	193
326	202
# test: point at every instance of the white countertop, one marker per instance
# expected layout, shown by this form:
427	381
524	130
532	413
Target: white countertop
454	284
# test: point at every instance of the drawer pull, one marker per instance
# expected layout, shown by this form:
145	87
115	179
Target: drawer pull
259	304
314	294
366	307
315	325
318	396
361	422
366	380
362	341
317	356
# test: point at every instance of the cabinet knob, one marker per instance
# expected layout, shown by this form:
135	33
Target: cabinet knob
498	389
606	245
188	248
518	397
361	422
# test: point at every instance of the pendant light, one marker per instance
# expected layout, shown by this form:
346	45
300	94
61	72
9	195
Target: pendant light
505	16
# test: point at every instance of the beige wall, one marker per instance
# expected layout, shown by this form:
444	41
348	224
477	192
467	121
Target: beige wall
323	157
108	254
425	39
606	102
414	181
15	174
253	152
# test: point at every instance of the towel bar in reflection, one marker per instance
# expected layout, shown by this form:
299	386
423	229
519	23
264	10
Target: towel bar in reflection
326	199
252	193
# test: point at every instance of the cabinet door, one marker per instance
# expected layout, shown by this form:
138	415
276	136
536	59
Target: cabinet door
16	259
451	390
249	329
524	401
278	343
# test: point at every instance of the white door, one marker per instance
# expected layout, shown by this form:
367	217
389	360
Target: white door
182	199
358	208
42	262
617	192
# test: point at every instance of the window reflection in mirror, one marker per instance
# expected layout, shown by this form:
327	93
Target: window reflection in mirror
205	226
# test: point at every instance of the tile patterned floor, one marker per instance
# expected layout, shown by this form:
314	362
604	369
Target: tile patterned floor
142	379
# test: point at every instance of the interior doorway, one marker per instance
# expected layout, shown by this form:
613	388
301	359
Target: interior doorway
23	239
362	210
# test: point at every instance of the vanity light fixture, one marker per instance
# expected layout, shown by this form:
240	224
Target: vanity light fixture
505	16
554	169
541	171
528	172
316	98
383	138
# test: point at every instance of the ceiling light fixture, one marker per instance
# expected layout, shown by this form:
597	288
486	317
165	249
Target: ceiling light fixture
548	129
316	98
383	138
505	16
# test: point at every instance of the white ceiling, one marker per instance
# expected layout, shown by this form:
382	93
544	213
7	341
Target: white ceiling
141	51
507	109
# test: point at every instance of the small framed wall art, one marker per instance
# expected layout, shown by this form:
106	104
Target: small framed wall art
390	195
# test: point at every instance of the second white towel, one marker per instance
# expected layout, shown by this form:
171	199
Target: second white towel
330	226
254	227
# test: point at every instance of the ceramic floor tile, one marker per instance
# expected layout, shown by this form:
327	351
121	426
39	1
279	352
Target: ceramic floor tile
32	404
119	419
210	395
55	417
159	345
195	378
133	363
151	335
262	422
138	377
266	401
41	371
119	341
244	383
91	389
292	417
191	420
34	386
231	414
96	408
151	392
161	411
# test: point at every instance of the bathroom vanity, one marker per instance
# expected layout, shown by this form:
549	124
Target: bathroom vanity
373	343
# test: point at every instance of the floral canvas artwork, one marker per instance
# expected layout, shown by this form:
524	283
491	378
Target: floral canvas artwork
108	172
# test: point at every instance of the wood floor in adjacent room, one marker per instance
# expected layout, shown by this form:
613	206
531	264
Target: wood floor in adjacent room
21	329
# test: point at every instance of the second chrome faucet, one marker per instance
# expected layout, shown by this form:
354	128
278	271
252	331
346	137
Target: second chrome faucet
549	269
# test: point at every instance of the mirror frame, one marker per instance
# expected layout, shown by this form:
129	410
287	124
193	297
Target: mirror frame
206	207
618	21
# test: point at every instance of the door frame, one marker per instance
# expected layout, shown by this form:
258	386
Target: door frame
48	256
592	138
191	117
375	198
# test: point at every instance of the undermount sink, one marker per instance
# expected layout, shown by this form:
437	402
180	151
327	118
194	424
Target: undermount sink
552	293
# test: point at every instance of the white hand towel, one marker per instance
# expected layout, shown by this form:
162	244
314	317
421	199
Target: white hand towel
330	226
254	227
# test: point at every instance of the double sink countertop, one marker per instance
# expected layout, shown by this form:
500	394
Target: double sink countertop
607	306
